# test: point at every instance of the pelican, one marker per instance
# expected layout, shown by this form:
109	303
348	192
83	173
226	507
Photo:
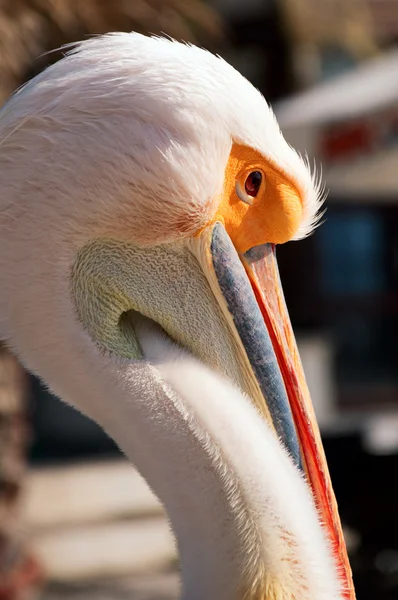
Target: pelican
144	186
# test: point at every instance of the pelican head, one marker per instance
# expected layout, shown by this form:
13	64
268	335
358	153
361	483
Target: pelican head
144	186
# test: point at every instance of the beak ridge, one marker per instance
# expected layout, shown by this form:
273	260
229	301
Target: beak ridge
238	294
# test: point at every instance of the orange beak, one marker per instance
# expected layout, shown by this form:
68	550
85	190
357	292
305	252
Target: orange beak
262	270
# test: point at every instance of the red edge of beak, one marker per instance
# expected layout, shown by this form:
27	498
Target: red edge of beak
264	277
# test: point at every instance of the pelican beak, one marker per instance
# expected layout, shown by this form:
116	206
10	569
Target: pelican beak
248	290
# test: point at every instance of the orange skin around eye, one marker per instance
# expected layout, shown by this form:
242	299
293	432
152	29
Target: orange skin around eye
276	211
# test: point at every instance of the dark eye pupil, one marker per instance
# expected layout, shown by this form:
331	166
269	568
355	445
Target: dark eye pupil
253	182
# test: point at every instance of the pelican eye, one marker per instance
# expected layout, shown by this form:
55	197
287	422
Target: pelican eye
248	188
253	183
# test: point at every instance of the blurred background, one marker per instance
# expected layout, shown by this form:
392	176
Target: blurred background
74	517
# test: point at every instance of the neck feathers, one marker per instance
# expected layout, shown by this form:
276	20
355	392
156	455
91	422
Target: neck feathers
244	520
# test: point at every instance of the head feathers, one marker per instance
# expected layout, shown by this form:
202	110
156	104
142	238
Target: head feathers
132	132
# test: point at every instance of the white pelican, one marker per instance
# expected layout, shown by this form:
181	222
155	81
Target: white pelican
144	184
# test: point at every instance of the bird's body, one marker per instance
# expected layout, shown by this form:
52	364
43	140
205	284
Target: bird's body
137	176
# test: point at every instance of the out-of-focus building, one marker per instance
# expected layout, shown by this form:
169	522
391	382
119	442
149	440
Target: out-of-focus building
329	37
334	35
350	125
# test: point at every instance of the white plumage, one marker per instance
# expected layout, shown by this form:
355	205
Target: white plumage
128	137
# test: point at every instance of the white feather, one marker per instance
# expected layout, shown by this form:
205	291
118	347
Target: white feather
246	502
125	113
